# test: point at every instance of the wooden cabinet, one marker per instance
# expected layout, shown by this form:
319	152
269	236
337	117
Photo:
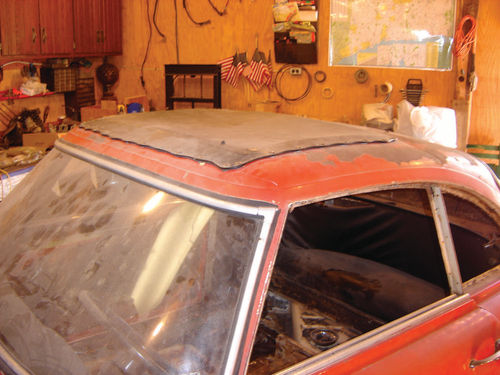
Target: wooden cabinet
112	27
60	28
56	27
20	27
97	27
34	27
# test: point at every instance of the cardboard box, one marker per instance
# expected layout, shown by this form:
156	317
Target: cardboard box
40	140
109	105
95	111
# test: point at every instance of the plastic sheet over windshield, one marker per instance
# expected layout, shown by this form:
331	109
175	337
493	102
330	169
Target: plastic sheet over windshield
103	275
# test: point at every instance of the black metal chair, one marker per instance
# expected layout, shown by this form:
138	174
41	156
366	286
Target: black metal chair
191	71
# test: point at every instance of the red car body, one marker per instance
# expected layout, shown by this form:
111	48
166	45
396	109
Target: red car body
444	337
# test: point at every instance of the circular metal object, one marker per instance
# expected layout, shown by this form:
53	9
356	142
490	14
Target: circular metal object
327	92
320	76
361	76
279	76
323	338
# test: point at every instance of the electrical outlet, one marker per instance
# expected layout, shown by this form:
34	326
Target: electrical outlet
296	71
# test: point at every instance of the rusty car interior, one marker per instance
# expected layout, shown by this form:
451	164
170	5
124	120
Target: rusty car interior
349	265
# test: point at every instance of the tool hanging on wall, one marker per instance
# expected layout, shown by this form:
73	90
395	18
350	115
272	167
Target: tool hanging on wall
414	91
386	89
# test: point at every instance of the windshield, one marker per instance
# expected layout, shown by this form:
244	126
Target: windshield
103	275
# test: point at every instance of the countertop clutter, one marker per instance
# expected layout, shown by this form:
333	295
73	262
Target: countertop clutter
47	71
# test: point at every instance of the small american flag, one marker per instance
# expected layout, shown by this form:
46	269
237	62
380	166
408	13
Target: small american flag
252	77
235	73
225	66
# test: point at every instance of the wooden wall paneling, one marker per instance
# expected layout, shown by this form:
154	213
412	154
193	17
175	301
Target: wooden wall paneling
485	116
238	29
462	103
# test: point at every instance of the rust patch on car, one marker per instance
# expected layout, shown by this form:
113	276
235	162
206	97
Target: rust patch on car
398	153
347	281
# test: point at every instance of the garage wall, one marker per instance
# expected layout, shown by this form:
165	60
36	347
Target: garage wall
485	117
237	30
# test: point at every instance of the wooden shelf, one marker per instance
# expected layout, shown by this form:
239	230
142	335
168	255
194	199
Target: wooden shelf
4	97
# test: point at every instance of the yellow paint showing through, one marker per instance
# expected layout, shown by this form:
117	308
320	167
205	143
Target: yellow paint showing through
383	34
432	55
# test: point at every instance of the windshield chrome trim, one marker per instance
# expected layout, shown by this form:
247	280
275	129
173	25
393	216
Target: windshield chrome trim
372	338
149	178
254	208
12	363
249	290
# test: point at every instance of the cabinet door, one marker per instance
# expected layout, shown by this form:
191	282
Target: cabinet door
56	26
19	20
87	21
111	27
97	26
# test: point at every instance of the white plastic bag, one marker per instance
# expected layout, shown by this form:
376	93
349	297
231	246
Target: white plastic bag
433	124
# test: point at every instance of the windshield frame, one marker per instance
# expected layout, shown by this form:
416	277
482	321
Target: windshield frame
263	210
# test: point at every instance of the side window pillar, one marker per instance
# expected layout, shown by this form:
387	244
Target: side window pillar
445	240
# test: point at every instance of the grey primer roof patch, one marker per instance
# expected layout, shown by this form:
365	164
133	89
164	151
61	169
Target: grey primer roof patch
229	139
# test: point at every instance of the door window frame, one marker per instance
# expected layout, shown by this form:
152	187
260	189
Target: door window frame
416	318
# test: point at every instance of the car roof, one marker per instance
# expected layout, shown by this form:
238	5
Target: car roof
230	139
276	158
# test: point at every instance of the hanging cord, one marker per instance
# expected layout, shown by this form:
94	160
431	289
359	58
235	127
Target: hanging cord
220	13
279	77
464	42
176	31
154	21
191	18
143	83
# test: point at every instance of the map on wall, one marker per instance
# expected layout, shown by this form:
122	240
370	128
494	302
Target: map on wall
392	33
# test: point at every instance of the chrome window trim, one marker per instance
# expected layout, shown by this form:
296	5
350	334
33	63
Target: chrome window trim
375	337
254	208
265	210
443	230
12	363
